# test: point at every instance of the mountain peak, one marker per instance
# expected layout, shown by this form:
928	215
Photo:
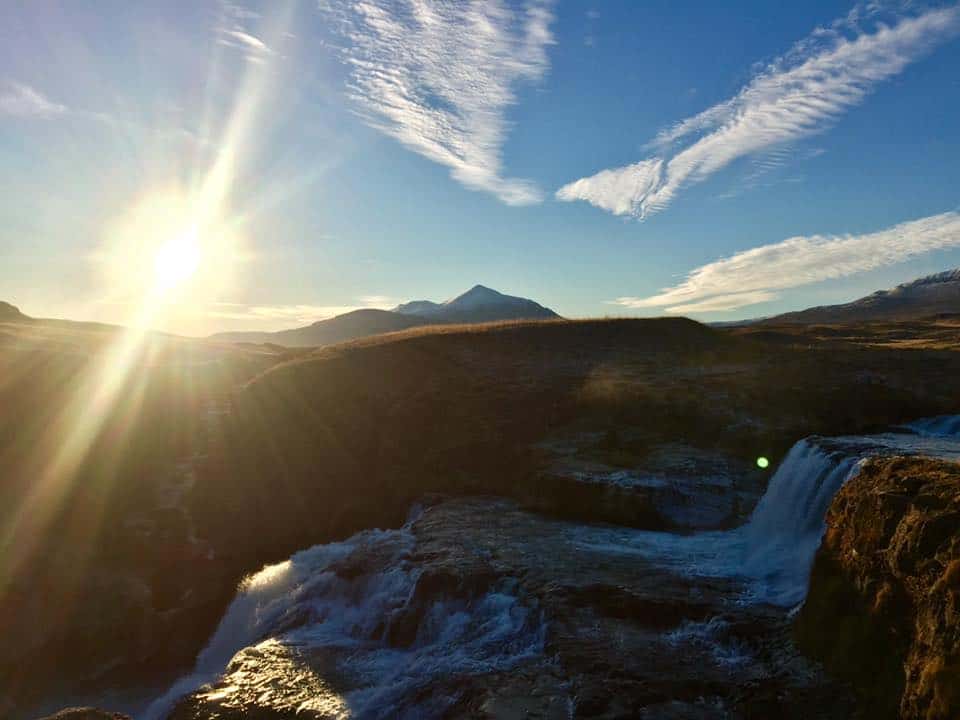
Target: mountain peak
935	279
478	304
477	295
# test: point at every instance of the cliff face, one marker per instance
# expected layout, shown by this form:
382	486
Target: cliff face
884	604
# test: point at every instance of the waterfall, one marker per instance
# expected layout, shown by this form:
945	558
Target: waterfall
773	552
358	601
785	529
267	597
356	597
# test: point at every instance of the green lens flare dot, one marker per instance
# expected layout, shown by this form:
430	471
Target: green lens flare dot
762	462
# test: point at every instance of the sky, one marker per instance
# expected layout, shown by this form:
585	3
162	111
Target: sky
263	165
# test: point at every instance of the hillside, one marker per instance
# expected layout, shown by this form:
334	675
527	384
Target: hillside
479	304
351	325
11	313
937	294
446	407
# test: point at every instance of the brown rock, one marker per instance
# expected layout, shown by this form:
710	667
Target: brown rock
884	604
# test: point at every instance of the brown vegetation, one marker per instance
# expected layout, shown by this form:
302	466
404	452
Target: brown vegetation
940	332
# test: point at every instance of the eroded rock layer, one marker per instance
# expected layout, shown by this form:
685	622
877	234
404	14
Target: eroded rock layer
883	608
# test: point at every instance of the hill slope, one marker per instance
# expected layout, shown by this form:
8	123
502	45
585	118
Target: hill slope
931	295
349	326
11	313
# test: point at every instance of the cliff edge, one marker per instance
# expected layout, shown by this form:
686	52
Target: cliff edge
883	609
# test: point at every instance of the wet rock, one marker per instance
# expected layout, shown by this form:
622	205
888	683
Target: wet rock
621	636
640	483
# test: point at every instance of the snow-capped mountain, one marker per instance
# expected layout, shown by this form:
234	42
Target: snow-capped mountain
936	294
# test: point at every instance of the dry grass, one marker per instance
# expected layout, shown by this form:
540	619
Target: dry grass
935	333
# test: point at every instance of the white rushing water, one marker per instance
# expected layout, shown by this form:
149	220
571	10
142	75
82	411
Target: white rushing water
349	597
773	552
345	597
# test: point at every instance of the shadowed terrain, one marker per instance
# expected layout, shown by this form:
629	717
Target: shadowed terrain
216	459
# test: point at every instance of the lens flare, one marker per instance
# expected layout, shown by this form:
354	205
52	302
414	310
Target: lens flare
762	462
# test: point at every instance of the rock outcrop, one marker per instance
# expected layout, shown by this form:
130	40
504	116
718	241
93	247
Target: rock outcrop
883	609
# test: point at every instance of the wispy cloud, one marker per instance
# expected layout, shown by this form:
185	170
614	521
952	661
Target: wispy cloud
755	276
19	100
439	77
243	40
234	33
796	96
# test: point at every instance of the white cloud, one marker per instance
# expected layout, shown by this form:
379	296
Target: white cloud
21	100
439	77
798	95
239	38
616	190
754	276
722	303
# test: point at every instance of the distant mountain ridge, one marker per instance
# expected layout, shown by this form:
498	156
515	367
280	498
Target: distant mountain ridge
478	304
936	294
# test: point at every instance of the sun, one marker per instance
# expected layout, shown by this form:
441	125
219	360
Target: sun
170	260
177	260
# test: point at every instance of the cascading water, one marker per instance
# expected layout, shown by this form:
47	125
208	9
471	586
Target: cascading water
357	600
785	529
774	551
391	651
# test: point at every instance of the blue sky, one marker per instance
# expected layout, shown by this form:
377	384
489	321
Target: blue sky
715	159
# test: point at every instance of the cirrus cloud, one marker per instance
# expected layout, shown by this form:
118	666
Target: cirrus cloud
19	100
795	97
754	276
439	77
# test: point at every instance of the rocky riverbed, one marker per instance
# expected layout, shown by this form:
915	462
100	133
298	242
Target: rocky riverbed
479	608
